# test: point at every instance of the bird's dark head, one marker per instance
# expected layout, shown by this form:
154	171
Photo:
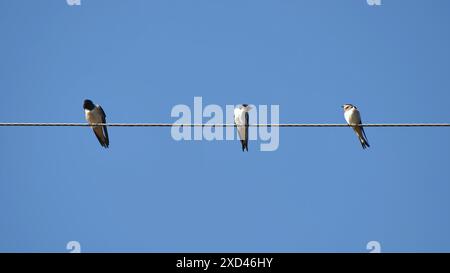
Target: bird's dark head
245	107
88	105
348	106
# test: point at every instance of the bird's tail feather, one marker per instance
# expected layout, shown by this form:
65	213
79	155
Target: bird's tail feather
244	145
362	137
364	143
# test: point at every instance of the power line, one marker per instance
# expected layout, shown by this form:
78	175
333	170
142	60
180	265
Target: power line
219	125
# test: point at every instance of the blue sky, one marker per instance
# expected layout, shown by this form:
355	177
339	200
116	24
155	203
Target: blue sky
318	192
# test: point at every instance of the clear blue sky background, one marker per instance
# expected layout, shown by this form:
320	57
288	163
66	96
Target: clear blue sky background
320	191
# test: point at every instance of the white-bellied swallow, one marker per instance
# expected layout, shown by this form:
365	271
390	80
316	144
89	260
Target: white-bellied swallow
241	122
353	117
95	114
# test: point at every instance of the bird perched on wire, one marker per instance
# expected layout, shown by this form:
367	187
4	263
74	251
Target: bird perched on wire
95	114
241	121
353	117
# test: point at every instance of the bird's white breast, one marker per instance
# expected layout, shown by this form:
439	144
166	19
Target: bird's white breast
352	116
239	117
93	116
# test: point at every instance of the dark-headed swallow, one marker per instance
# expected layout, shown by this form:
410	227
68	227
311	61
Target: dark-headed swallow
95	114
353	117
241	121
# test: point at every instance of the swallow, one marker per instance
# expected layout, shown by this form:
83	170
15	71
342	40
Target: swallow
241	121
95	114
353	117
